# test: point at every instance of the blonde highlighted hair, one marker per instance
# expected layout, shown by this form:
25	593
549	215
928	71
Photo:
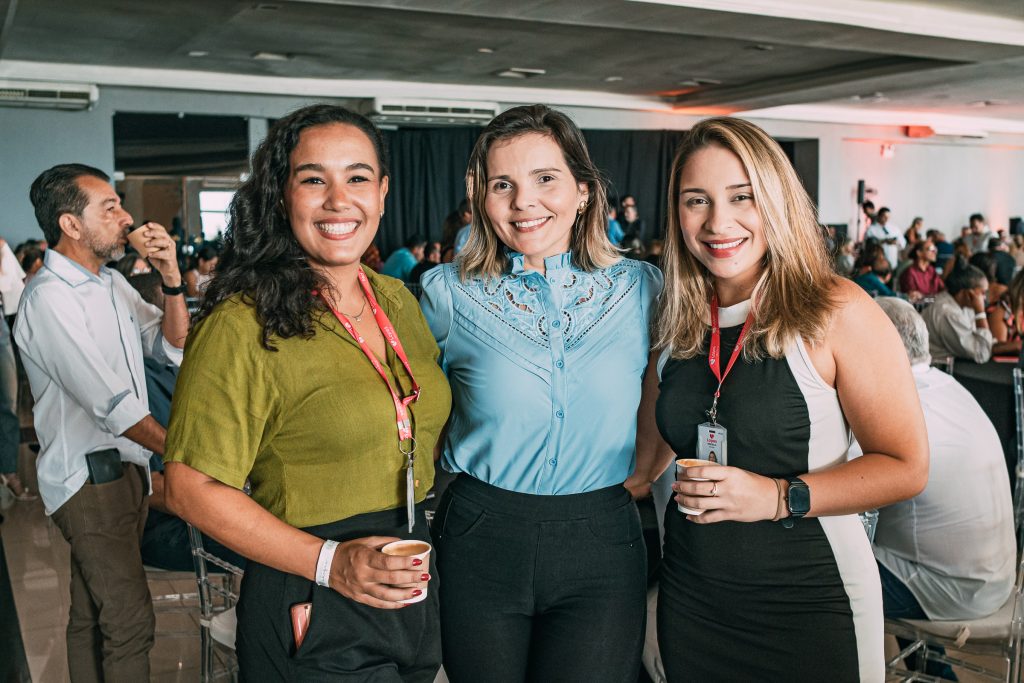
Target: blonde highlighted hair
484	254
795	295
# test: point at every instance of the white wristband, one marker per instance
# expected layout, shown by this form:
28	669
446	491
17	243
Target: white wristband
980	315
323	563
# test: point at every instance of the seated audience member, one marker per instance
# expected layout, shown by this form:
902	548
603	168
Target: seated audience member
615	232
1006	265
464	217
1016	250
845	258
199	277
402	261
915	233
165	542
943	248
431	258
978	234
920	280
31	261
949	552
888	235
875	281
957	322
131	264
371	258
960	249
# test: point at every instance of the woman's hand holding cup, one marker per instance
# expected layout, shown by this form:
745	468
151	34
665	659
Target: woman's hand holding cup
361	572
716	493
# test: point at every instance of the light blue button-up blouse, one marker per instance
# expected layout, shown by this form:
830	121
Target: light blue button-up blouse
545	371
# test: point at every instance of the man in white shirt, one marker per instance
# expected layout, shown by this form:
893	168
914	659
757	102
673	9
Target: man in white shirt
83	332
949	552
978	234
888	236
957	322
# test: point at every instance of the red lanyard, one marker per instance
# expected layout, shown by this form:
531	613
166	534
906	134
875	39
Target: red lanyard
401	404
714	359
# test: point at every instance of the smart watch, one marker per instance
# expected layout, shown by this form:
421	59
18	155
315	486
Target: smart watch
798	500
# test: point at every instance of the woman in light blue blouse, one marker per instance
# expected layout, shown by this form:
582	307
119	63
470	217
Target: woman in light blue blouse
543	330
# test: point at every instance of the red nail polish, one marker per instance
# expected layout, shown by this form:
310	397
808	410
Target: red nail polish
425	577
417	592
417	562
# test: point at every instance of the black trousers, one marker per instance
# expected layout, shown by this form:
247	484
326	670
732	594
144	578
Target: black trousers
540	588
346	641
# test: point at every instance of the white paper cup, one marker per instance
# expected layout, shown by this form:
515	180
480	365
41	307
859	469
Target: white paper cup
419	550
681	465
137	238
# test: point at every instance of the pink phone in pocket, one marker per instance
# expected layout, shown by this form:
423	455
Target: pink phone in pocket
300	621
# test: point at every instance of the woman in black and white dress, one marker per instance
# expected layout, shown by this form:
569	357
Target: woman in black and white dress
775	579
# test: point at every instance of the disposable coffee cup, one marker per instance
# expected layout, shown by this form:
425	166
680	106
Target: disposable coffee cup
681	466
137	238
419	550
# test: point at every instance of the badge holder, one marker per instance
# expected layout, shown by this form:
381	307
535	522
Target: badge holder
410	483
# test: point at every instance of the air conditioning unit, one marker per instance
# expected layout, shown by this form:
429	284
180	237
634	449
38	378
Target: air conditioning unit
45	95
413	112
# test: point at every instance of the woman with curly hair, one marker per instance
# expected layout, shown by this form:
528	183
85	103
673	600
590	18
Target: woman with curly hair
768	574
316	380
543	328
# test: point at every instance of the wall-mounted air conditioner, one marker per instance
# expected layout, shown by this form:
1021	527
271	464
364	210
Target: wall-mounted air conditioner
402	111
47	95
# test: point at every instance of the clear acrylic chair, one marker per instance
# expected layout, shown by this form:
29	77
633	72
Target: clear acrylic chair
998	634
217	599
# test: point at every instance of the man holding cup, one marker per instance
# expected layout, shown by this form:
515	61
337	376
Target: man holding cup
83	332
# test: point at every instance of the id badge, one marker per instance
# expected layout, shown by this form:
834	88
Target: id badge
711	443
410	493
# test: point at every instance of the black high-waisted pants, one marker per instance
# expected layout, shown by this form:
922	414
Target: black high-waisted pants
540	588
346	640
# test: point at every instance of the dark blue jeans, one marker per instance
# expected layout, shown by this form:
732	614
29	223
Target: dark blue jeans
899	603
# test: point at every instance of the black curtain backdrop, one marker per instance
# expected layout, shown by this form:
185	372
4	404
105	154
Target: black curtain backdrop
428	180
637	162
428	169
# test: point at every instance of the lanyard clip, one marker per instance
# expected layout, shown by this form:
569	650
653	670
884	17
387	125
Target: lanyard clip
713	413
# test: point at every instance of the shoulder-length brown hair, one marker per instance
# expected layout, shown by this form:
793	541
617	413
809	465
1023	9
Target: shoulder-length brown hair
484	254
795	295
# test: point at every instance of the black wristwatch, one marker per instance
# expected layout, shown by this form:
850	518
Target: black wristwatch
798	500
173	291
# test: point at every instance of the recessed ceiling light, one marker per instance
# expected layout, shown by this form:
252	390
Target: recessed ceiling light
271	56
519	72
268	6
870	97
697	82
485	50
761	47
613	79
198	53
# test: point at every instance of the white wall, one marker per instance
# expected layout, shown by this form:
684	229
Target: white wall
944	181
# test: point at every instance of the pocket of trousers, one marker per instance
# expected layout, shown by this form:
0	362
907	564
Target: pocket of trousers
618	527
461	518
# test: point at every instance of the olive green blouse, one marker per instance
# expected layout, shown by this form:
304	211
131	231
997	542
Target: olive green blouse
312	425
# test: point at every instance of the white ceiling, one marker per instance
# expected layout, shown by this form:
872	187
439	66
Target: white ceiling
925	57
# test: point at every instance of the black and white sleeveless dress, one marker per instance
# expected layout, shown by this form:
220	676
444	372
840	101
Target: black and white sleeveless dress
756	601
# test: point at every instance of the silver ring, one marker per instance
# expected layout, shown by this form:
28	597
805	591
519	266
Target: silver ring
714	488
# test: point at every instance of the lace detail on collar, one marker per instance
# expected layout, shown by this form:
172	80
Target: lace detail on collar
521	301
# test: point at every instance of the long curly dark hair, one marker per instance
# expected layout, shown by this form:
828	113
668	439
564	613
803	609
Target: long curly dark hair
262	260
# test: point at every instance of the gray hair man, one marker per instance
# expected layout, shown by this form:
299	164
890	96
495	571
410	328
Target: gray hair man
949	552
